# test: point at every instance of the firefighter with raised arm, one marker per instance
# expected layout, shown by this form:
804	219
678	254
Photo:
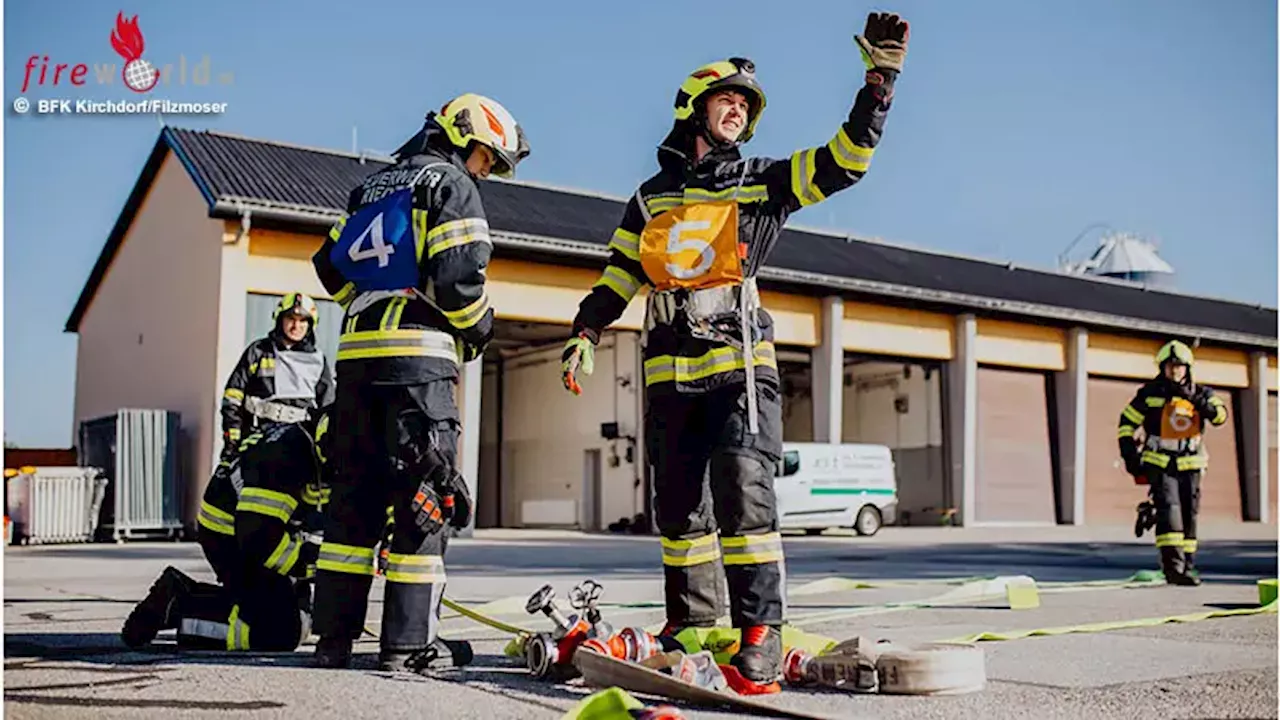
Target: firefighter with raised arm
279	377
407	262
1171	410
259	529
698	232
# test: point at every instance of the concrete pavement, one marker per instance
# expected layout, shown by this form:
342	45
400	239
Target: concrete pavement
64	606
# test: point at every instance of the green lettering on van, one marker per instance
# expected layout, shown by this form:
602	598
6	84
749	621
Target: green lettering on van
850	491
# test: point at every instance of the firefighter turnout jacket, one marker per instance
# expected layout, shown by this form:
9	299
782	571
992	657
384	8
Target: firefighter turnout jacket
1172	418
274	383
269	497
662	241
407	263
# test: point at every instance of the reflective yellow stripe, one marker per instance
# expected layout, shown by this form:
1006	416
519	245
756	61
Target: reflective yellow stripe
668	368
237	631
752	549
1133	414
850	156
745	194
1192	462
233	396
662	203
344	296
233	434
1173	539
414	569
391	316
335	232
1126	431
267	502
351	323
215	519
627	243
620	281
311	496
1189	545
455	233
345	559
419	233
285	556
1154	458
1155	402
803	163
366	344
469	315
686	553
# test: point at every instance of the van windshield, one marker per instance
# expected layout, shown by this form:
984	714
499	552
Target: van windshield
790	463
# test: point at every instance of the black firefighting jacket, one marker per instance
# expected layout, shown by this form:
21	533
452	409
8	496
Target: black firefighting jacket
254	376
405	339
270	496
768	192
1172	418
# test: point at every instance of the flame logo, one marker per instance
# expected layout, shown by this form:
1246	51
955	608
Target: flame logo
495	125
127	38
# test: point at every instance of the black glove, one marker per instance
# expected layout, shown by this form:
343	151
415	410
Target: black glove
428	509
456	497
884	42
1133	465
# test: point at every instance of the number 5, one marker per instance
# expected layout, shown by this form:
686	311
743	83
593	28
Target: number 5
677	244
377	246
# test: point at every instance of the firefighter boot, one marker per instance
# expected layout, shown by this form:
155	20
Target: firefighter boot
155	612
1192	570
758	663
439	655
333	653
1174	564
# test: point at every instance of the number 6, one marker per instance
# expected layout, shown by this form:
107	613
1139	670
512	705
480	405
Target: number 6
675	244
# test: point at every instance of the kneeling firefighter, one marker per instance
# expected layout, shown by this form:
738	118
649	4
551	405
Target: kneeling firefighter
1171	410
698	232
280	377
408	263
259	527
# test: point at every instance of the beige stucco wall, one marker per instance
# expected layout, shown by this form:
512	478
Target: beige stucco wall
546	432
149	337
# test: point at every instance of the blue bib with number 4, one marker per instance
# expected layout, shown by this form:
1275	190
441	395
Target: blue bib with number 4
377	250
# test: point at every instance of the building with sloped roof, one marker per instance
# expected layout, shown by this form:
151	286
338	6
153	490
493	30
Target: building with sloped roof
997	387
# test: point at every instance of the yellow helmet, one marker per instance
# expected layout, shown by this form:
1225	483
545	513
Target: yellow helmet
736	74
475	118
1175	351
299	303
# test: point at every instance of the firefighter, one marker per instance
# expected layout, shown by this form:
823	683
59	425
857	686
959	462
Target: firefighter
258	527
407	262
1171	411
698	232
279	377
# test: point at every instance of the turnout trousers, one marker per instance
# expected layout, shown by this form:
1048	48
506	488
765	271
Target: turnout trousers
382	436
1176	495
719	527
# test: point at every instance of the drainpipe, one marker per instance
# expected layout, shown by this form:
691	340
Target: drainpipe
246	222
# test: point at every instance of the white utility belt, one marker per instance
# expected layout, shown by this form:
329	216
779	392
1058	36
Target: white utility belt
279	412
1174	444
726	302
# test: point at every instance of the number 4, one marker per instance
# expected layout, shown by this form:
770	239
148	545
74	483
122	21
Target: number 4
377	246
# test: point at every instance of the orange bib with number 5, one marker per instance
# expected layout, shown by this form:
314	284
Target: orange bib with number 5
692	247
1179	420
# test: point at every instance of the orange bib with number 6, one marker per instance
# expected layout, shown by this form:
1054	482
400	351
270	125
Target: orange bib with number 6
1179	420
692	247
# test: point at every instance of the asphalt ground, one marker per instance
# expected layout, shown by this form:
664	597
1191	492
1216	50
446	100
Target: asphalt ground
64	605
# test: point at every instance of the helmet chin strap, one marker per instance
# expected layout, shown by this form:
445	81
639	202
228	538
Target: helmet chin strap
703	125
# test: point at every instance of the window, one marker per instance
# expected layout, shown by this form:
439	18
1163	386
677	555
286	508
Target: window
258	322
790	463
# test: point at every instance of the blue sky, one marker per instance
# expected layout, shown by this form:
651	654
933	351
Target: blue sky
1017	124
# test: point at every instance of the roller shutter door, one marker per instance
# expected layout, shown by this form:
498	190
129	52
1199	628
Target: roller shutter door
1015	468
1220	484
1111	497
1272	429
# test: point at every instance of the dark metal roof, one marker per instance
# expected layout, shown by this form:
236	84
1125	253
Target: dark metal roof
312	184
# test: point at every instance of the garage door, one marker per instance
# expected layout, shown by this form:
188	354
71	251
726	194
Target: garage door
1272	429
1109	492
1220	485
1015	467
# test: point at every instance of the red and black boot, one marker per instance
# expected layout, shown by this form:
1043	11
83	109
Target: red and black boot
757	666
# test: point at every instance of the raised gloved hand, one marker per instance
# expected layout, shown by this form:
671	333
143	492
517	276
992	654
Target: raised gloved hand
579	354
884	41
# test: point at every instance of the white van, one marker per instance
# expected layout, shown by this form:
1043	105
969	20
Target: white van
823	485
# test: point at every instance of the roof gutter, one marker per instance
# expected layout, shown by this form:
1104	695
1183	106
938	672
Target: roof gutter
232	207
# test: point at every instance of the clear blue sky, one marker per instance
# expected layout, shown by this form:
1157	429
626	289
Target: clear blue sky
1017	124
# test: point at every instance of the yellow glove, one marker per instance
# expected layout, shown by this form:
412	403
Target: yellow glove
579	353
884	41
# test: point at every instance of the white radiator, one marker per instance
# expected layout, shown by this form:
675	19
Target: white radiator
56	504
549	512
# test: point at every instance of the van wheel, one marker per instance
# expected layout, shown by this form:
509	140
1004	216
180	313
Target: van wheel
813	531
868	521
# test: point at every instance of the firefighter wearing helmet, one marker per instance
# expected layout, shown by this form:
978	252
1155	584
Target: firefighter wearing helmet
1171	410
407	263
279	378
697	232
